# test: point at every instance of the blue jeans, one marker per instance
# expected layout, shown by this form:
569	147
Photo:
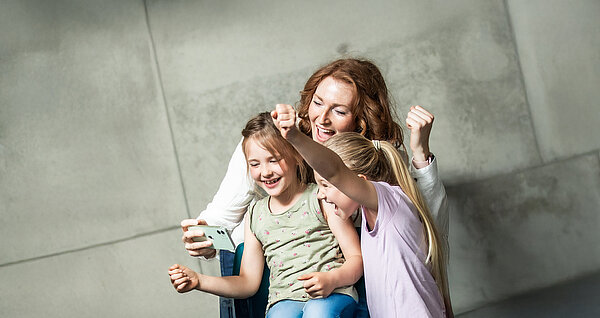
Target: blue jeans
334	306
361	309
226	304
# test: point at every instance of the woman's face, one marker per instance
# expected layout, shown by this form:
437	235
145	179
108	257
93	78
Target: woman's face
329	111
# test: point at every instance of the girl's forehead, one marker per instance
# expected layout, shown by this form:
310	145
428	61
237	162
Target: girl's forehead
254	144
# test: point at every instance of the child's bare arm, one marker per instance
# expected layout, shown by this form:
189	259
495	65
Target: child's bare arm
326	162
242	286
323	283
347	237
247	283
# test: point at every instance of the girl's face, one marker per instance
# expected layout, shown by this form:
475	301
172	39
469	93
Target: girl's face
271	172
344	206
329	111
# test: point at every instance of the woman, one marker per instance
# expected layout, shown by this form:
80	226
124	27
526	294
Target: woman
344	95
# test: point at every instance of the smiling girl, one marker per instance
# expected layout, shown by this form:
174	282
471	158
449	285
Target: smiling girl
313	256
402	254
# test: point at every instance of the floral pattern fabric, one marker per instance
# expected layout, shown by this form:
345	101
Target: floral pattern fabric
296	242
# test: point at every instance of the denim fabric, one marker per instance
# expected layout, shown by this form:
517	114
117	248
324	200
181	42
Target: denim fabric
334	306
226	304
361	308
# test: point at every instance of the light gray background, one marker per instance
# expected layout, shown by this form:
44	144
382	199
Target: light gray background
118	118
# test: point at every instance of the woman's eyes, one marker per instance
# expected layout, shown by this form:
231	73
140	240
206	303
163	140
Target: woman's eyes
338	111
253	164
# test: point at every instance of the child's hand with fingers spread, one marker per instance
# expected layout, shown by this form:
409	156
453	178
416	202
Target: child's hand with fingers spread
284	117
318	284
183	278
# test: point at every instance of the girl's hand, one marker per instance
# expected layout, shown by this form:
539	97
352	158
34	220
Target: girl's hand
318	284
284	117
183	278
419	121
196	248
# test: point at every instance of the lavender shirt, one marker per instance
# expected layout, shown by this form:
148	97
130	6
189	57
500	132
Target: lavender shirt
397	281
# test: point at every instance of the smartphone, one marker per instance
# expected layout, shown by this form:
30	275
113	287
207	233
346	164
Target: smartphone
217	234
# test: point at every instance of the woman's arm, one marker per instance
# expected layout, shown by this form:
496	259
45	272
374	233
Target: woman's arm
324	161
424	170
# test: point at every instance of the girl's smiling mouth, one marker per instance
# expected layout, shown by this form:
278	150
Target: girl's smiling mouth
271	183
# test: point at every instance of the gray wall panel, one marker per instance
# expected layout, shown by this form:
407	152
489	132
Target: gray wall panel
207	44
524	231
558	43
127	279
467	73
86	148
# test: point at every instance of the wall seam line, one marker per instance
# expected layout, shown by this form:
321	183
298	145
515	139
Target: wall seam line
522	76
595	152
164	98
89	247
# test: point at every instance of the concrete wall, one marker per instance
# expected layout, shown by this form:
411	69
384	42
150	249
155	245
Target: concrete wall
117	119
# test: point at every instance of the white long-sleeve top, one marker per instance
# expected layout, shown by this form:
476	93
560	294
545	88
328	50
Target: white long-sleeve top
237	190
435	197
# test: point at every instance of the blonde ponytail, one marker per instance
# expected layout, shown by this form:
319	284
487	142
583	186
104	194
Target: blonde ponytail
381	161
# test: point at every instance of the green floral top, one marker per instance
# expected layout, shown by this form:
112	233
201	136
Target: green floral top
296	242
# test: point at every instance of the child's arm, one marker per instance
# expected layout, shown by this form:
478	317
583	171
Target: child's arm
323	283
242	286
326	162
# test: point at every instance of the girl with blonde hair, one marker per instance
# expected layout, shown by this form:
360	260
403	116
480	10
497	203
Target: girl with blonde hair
404	263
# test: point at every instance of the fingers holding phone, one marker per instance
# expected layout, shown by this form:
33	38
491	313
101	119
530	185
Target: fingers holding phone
195	240
217	235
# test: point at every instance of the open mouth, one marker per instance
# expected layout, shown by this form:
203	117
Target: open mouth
271	183
323	134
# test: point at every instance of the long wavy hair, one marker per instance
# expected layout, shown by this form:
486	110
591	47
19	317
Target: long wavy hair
371	107
385	164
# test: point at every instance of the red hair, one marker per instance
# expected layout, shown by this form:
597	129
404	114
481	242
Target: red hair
371	106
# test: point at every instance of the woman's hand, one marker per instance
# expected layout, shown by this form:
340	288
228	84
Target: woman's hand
196	248
183	278
284	117
419	121
318	284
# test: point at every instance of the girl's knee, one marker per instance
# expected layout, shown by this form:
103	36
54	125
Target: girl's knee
285	309
334	306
